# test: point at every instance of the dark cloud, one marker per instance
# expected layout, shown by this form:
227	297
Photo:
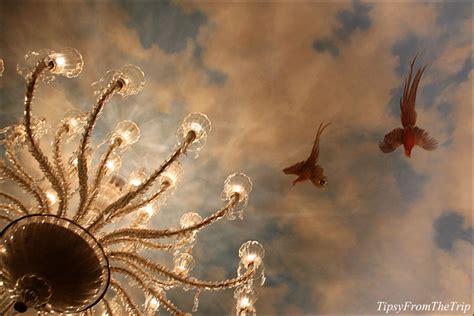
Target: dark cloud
352	20
164	23
449	229
326	45
349	21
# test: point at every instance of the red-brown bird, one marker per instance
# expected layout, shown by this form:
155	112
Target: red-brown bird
308	169
410	135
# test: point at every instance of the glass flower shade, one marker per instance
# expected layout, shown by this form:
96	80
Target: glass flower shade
190	219
67	62
200	125
126	133
136	178
73	122
172	174
237	184
133	80
251	254
183	263
245	298
2	67
114	163
32	249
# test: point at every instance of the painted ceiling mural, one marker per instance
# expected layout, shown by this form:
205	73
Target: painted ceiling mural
385	227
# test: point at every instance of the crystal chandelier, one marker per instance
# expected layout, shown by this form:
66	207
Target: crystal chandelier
76	238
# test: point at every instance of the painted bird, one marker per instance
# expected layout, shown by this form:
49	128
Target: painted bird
308	169
410	135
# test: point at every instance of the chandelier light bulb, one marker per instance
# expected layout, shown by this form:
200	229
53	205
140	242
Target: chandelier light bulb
245	298
183	263
132	80
251	253
67	62
172	175
136	178
114	163
126	133
190	219
51	196
197	126
2	67
237	185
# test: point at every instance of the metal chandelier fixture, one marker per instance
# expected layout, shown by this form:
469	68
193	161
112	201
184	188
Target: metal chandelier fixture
71	240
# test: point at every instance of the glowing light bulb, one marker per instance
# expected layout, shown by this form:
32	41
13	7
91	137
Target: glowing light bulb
244	302
52	197
113	163
60	61
137	178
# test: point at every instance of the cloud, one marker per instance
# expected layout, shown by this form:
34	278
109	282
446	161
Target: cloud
449	228
349	21
164	23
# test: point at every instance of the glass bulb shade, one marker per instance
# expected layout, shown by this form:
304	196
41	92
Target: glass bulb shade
190	219
245	297
133	80
145	213
67	62
151	305
199	124
251	252
172	174
52	196
36	245
73	122
2	67
114	163
183	263
127	133
137	177
240	184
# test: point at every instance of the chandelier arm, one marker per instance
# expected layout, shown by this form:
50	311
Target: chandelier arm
112	88
169	306
10	153
129	209
125	199
190	281
22	183
132	267
33	147
5	217
58	164
6	307
147	244
107	307
15	201
97	181
150	233
120	291
9	210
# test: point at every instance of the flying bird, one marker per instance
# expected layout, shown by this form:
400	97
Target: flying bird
308	169
410	135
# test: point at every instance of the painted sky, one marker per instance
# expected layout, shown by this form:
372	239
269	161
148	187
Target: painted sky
386	228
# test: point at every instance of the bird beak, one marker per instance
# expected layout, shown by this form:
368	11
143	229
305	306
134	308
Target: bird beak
408	153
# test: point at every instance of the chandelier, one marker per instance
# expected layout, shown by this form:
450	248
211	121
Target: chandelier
74	240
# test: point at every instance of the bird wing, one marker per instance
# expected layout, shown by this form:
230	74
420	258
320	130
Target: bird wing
295	169
313	158
392	140
424	140
317	173
407	101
